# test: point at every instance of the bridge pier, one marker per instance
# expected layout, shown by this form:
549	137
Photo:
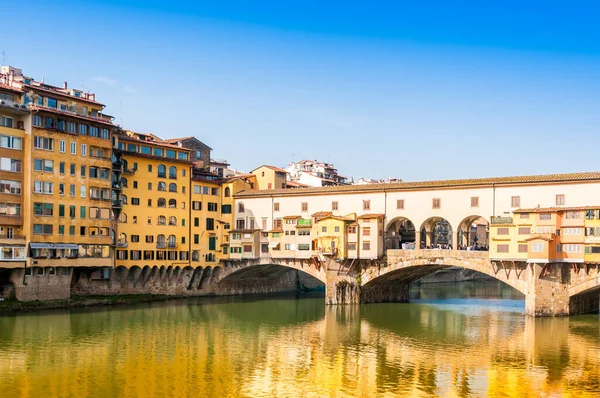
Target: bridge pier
547	290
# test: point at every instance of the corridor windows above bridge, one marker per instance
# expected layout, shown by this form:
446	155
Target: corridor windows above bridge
366	205
560	200
437	203
400	204
240	207
334	205
276	206
474	201
304	206
515	201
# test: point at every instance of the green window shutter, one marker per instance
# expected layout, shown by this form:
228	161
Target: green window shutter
82	212
61	210
212	243
61	229
183	222
588	250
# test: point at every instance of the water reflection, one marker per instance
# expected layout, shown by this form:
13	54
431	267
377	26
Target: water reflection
286	347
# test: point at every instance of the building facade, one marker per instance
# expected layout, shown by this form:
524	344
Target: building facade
314	173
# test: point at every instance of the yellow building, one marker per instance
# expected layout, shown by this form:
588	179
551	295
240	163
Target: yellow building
207	227
592	235
229	187
13	141
270	177
152	179
330	234
68	213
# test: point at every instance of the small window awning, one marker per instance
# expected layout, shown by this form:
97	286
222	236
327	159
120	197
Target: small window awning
274	245
54	246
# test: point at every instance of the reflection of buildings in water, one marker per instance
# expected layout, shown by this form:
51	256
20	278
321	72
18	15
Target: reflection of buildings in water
247	349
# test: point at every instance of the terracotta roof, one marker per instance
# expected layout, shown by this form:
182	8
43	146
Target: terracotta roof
295	217
271	167
296	184
482	182
243	231
322	214
555	209
276	230
378	215
334	218
159	143
71	114
176	140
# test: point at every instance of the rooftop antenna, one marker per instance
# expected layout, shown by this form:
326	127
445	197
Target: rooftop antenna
3	58
121	111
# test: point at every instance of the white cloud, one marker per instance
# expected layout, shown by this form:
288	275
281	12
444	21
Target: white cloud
103	79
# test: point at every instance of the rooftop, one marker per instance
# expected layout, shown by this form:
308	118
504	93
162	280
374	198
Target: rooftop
463	183
270	167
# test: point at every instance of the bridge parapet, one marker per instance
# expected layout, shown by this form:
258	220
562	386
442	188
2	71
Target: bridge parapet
400	254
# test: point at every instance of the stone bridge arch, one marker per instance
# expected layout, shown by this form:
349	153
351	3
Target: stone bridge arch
391	282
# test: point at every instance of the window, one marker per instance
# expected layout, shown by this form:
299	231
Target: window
72	189
352	229
304	206
323	229
560	200
162	170
83	150
71	127
94	133
196	205
43	209
62	147
6	121
7	141
205	190
276	206
537	247
515	201
572	231
73	148
523	230
334	205
8	164
400	204
574	215
135	201
436	203
82	191
502	231
474	201
366	205
172	171
522	248
37	121
210	224
366	231
43	143
212	206
366	245
172	187
162	186
572	248
43	165
42	229
173	203
240	207
227	192
83	128
502	248
42	187
72	169
545	216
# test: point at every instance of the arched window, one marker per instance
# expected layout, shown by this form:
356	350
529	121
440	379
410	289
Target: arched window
227	192
172	203
172	172
162	171
172	187
123	199
172	220
195	255
124	163
162	186
172	241
124	181
160	241
162	220
162	202
122	239
123	217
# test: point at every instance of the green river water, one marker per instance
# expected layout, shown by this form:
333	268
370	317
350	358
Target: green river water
453	340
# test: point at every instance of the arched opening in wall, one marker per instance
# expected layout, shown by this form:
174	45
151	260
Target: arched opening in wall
270	278
436	233
400	234
586	302
473	233
7	288
439	282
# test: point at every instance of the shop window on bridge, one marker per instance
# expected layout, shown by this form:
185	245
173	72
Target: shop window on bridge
237	250
303	246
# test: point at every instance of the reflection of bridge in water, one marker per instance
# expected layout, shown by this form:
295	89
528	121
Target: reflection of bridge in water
295	348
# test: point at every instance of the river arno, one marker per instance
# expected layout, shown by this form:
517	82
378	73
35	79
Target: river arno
441	345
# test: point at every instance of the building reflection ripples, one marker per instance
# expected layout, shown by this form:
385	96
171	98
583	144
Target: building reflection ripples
284	348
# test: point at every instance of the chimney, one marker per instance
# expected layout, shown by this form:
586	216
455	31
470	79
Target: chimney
65	85
92	97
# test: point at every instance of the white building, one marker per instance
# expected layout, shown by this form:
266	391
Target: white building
314	173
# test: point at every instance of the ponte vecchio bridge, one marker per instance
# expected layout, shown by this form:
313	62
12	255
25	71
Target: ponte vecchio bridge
369	243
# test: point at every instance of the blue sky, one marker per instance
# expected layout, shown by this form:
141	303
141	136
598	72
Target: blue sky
414	90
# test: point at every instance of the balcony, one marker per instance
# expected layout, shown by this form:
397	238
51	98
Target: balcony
172	245
161	245
173	176
8	104
162	175
128	171
117	204
116	187
121	243
116	166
